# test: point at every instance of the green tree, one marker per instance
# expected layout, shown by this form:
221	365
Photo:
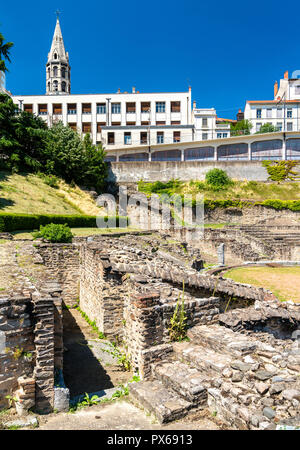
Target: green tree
267	128
241	128
74	159
95	167
4	53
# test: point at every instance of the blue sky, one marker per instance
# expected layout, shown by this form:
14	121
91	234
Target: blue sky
228	51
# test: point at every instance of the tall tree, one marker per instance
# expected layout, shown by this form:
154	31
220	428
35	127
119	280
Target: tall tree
4	53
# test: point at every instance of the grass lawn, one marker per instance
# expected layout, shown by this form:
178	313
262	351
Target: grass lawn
29	194
240	190
78	232
284	282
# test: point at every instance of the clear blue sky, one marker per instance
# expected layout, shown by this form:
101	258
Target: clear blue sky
228	51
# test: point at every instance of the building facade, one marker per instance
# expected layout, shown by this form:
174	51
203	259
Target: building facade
283	112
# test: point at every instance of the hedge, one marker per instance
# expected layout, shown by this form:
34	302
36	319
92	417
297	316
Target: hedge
292	205
18	222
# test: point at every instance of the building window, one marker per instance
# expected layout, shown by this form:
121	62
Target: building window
145	107
258	127
175	122
73	126
279	113
297	90
127	138
28	108
204	136
144	137
269	113
279	126
160	107
116	108
55	85
100	125
219	135
130	123
72	108
130	108
289	114
289	126
63	86
55	70
110	138
86	108
101	108
57	109
43	110
55	56
258	113
160	122
176	136
145	122
160	137
116	124
224	135
86	128
204	122
63	72
175	107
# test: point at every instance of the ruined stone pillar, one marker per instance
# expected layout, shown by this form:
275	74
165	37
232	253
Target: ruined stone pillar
221	254
44	346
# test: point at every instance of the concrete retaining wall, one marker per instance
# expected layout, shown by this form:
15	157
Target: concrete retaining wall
132	172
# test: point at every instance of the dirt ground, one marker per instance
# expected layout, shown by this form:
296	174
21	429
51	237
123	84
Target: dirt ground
284	282
87	367
122	415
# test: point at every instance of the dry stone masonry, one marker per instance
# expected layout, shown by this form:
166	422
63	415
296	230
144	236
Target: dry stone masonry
241	359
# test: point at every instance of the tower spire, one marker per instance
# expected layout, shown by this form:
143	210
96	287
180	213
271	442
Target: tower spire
58	69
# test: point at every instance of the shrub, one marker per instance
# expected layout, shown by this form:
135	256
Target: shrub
218	179
281	170
50	180
54	232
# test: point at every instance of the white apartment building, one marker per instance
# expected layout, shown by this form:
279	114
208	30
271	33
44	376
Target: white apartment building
120	119
283	112
208	125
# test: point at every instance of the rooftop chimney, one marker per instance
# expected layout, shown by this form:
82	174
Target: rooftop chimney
133	90
275	89
190	88
286	75
194	104
119	91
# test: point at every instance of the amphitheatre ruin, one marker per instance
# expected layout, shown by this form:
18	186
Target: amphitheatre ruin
68	310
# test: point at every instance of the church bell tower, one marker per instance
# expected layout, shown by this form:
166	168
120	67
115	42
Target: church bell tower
58	70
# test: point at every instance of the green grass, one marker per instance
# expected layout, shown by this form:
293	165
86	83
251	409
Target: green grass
27	234
239	190
29	194
284	282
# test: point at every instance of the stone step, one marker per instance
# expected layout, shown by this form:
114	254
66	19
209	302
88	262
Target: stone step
206	360
165	404
186	381
221	339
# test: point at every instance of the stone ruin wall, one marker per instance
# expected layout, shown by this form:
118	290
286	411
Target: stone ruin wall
63	266
32	349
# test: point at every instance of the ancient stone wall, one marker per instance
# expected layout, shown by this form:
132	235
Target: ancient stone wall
62	264
17	344
31	344
100	297
147	321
